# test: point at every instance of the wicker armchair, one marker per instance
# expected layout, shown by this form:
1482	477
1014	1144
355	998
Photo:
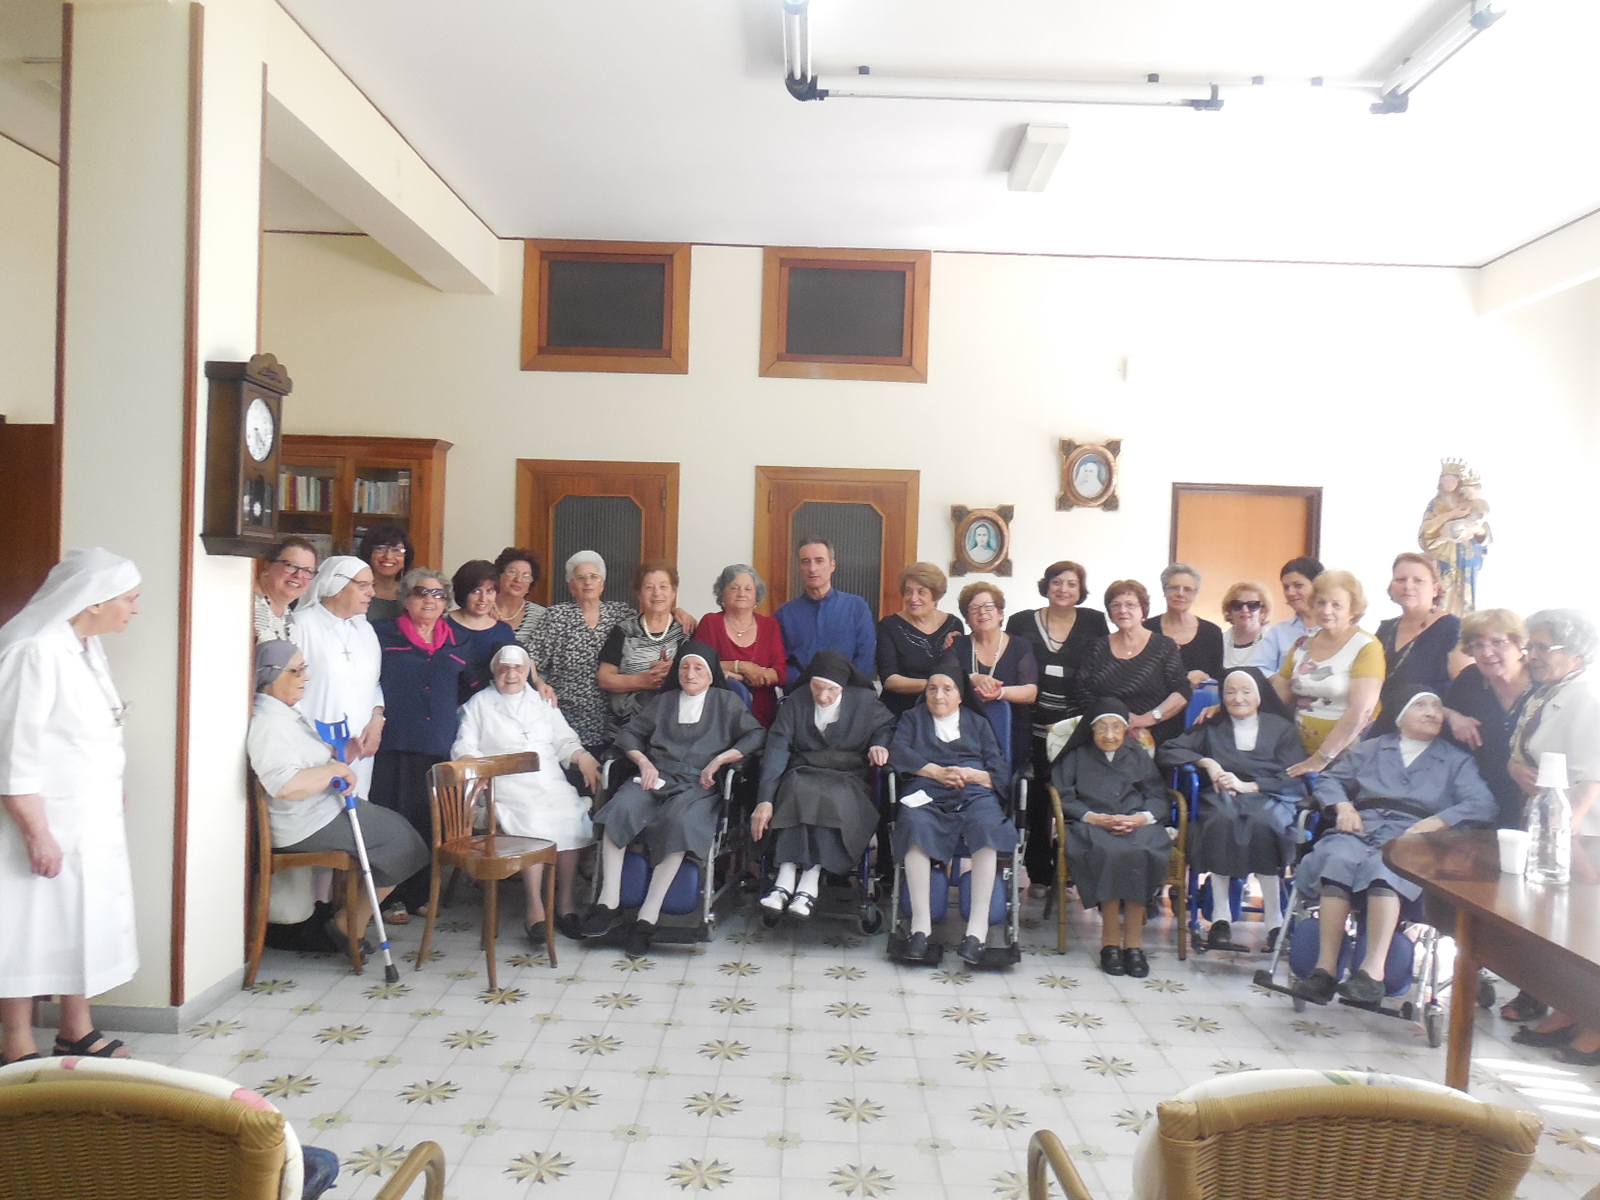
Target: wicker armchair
1323	1143
127	1130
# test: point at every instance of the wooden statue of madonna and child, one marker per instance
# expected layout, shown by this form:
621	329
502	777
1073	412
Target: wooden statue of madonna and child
1455	531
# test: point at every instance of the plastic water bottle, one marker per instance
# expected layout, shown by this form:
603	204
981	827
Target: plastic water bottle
1550	825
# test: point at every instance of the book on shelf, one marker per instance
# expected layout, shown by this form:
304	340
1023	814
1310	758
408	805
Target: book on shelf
384	497
304	493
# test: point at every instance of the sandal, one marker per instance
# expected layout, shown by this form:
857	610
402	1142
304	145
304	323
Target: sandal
800	906
6	1062
88	1046
777	900
1523	1007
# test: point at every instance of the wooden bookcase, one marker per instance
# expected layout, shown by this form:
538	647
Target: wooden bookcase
331	489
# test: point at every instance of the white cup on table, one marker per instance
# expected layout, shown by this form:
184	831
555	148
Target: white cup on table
1513	850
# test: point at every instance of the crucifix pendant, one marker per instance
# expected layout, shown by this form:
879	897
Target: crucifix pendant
346	654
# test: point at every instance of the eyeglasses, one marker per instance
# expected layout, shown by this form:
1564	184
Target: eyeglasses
431	593
389	549
1479	645
518	576
294	568
300	670
364	585
978	608
1180	589
587	577
1245	606
1543	648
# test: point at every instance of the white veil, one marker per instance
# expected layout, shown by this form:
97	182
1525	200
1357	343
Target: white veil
81	578
332	577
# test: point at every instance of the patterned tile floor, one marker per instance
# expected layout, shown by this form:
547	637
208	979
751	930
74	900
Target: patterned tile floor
794	1064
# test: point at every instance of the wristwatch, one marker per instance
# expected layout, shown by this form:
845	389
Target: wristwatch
1155	713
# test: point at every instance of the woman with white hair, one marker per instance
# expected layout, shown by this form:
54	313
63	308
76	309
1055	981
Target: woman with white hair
66	888
567	642
510	718
1199	641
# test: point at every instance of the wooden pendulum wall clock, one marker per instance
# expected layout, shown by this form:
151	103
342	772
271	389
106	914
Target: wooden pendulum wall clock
244	430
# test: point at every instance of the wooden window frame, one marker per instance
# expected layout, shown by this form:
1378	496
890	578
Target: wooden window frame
671	359
1311	495
911	366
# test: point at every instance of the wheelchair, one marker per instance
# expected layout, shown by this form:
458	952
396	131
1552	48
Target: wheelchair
688	913
1005	903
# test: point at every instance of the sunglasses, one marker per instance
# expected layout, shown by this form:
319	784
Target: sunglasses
433	593
1245	606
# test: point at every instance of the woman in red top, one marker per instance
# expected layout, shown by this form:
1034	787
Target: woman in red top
750	645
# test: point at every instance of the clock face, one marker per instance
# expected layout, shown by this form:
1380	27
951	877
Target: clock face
258	429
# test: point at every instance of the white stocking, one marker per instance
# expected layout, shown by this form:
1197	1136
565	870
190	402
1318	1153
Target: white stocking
611	856
660	880
1271	900
785	880
919	878
1221	903
810	880
984	865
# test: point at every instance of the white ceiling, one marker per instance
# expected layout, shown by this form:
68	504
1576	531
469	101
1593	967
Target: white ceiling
669	121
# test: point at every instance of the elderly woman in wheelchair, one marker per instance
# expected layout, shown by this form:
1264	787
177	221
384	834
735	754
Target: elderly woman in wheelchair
679	741
1409	781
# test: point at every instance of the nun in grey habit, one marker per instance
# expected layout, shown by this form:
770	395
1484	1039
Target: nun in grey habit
813	793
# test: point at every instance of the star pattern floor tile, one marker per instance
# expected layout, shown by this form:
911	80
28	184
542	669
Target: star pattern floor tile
795	1063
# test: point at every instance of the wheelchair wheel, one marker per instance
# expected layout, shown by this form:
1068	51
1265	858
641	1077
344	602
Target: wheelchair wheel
870	919
1433	1023
1408	1011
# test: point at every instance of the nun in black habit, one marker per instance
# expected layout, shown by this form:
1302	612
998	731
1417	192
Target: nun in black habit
951	777
1247	797
678	741
1116	842
813	793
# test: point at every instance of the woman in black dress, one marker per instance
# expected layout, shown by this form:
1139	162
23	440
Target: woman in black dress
1060	632
912	641
1421	645
1117	842
1199	641
998	665
952	775
813	791
1136	666
1247	798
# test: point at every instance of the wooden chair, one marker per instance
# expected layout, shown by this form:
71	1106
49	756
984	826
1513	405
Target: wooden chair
100	1129
487	857
269	862
1322	1143
1177	870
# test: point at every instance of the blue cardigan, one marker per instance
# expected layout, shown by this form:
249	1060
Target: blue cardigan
420	691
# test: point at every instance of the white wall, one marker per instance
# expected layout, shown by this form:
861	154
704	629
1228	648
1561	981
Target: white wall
1357	379
27	285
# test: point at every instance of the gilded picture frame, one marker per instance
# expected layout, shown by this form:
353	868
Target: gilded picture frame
1089	475
982	542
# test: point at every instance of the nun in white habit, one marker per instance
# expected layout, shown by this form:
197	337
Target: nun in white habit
66	889
509	718
342	653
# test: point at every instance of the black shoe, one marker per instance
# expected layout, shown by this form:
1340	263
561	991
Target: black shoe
1134	963
916	948
970	950
1272	938
1555	1037
638	943
536	935
599	921
569	925
1361	988
1111	960
1219	935
1318	987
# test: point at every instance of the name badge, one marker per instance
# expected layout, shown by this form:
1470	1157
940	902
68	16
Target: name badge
1055	669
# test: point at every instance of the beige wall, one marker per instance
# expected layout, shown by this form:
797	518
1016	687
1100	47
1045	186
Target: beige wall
1356	379
27	284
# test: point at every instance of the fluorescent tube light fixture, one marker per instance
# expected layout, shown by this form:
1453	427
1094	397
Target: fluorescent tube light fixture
1037	157
1466	23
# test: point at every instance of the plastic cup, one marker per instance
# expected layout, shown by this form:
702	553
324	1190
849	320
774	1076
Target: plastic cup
1552	770
1513	850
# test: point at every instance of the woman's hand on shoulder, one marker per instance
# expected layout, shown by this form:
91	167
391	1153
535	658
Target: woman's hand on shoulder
1464	729
684	619
548	694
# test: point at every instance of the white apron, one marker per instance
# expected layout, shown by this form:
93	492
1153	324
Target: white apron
60	739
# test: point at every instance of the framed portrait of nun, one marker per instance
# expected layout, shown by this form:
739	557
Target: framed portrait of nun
982	540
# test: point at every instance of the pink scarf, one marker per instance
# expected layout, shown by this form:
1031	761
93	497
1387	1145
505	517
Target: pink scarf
442	636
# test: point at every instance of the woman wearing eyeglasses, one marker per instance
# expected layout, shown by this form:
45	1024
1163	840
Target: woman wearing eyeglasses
518	570
1484	701
1199	641
282	575
1140	667
1247	608
999	666
388	551
422	670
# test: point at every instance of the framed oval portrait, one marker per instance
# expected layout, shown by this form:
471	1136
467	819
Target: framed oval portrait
982	540
1088	475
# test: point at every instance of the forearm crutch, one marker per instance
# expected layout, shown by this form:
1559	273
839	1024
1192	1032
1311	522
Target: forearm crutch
337	735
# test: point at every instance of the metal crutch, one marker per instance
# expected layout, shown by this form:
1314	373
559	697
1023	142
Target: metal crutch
337	735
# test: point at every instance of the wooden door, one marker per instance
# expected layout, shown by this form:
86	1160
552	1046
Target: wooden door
30	496
870	516
1233	532
624	511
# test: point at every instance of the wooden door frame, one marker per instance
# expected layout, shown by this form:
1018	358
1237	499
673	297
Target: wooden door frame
535	534
1311	495
768	477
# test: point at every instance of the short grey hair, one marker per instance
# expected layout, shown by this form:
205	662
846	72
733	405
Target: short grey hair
415	576
1570	629
731	572
1179	568
581	557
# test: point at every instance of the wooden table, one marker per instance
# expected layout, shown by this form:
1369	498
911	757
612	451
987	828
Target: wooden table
1545	940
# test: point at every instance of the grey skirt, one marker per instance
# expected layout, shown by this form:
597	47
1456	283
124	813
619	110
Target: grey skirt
1243	834
971	818
1355	860
818	798
681	816
1107	866
395	851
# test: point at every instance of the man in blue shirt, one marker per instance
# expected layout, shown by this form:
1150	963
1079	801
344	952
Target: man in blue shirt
824	618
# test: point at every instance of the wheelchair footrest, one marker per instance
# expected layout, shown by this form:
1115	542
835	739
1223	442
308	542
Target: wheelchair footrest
1000	958
1263	979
